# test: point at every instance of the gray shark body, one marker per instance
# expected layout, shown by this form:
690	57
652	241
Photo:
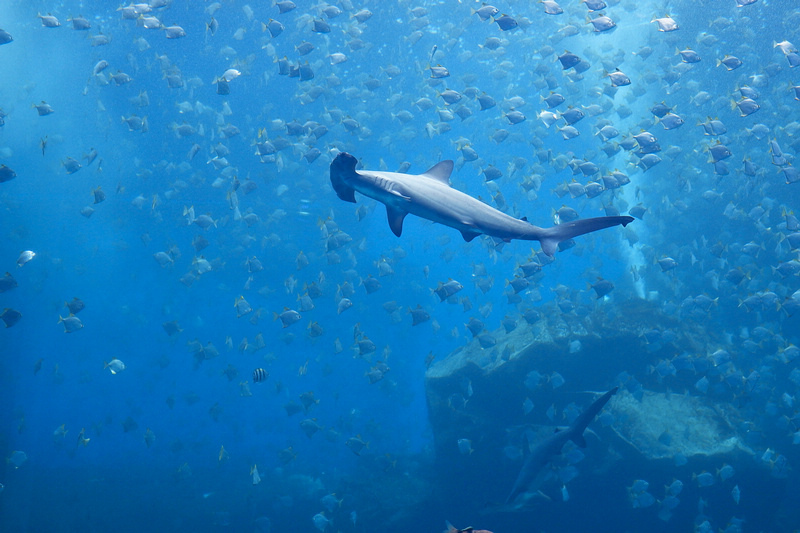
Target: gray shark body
430	196
551	447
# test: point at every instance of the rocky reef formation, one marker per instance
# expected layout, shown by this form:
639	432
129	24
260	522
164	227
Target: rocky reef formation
542	374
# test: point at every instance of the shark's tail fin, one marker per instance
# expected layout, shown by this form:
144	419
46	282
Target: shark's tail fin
344	165
550	237
585	418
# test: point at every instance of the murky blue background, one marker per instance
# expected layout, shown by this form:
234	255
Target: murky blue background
182	481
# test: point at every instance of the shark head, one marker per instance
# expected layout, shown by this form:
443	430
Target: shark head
343	168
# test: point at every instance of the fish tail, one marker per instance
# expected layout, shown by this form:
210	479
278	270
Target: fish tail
585	418
551	237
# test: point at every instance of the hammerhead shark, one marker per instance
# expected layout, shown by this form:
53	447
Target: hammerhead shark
537	459
429	195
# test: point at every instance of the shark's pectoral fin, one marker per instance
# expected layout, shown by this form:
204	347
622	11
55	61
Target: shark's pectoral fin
399	196
395	217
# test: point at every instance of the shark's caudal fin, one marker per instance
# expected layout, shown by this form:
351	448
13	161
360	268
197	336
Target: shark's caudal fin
550	237
586	417
343	165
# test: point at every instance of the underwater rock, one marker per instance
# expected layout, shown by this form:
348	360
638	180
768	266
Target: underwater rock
542	374
589	352
666	426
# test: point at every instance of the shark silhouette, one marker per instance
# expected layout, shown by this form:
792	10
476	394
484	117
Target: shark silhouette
430	196
537	459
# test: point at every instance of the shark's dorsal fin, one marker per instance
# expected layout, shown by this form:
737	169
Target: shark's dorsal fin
395	217
441	171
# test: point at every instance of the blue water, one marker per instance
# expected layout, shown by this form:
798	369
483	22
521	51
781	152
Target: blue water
183	480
